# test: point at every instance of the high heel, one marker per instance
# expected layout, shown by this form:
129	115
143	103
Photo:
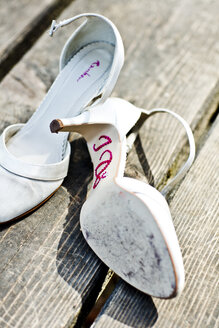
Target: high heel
33	163
126	222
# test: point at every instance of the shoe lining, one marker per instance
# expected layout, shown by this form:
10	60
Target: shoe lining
77	84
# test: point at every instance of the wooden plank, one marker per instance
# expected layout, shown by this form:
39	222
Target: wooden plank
31	246
195	212
22	23
195	209
14	16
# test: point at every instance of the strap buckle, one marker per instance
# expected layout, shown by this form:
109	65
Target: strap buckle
53	28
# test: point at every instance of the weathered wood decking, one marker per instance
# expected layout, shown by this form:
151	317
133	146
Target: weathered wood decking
49	277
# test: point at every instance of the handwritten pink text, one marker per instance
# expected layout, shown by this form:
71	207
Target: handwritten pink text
86	73
105	158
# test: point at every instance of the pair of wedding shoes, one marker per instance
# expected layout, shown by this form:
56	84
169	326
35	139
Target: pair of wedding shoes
125	221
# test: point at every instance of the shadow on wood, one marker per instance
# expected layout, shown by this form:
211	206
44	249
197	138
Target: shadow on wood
135	309
76	262
143	160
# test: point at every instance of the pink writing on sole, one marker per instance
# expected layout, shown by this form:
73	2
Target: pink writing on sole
105	158
86	73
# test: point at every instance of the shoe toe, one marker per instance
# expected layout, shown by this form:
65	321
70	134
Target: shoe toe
19	195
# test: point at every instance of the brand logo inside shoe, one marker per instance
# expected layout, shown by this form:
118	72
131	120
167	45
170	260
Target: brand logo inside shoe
105	158
86	73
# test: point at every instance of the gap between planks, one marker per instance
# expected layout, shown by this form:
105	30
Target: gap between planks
209	111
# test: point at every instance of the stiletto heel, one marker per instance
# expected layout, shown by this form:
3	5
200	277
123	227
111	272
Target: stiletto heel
126	222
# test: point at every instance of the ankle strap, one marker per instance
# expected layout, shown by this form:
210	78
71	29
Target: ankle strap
55	26
181	173
109	34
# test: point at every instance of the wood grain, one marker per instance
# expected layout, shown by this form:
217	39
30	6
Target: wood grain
23	23
195	211
47	269
195	214
15	16
49	276
127	307
174	67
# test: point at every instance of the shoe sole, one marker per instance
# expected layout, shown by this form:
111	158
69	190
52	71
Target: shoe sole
126	236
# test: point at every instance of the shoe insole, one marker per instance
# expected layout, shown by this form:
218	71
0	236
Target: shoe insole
76	85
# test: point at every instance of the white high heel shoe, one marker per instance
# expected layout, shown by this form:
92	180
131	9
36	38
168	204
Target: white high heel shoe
126	222
33	163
